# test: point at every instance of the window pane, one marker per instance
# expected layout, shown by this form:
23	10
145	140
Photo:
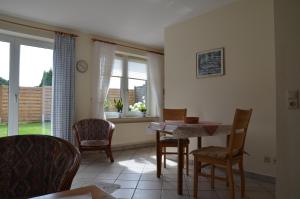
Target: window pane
35	90
4	77
113	93
115	83
133	83
137	70
117	68
137	94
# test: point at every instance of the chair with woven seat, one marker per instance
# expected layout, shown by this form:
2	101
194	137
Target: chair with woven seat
34	165
94	134
170	141
225	157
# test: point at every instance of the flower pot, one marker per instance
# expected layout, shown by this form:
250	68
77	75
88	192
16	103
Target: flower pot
119	114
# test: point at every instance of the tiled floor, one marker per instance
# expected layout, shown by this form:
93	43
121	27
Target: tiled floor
133	175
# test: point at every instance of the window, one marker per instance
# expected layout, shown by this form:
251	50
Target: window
129	85
25	86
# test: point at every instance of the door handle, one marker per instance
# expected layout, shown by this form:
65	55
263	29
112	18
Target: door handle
16	97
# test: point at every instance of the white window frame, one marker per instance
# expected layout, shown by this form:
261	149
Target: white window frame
124	86
14	75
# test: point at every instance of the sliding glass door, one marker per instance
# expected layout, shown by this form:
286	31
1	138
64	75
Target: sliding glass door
26	104
5	51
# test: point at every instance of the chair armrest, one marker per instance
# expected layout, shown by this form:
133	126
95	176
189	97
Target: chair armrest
77	137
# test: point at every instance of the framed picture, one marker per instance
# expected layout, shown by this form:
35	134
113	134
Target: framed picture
210	63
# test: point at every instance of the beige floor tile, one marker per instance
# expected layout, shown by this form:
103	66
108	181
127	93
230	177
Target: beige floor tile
86	175
133	170
172	185
259	195
149	185
147	194
129	176
127	184
170	177
171	194
133	174
151	176
123	193
248	195
107	176
207	195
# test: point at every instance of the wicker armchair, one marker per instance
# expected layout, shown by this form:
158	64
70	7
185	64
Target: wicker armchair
33	165
94	134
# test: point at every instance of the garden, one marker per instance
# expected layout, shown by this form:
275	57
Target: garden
28	128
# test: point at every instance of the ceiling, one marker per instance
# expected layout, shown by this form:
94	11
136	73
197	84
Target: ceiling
137	21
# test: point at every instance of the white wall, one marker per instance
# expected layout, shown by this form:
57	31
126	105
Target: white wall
126	134
246	30
287	35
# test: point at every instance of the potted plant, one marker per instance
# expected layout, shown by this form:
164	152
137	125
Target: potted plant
118	105
139	106
143	109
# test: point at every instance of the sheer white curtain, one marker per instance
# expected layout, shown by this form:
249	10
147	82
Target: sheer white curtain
101	72
156	77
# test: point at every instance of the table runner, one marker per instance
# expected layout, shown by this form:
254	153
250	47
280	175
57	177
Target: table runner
182	130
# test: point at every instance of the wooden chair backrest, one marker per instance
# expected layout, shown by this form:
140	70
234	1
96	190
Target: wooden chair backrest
238	133
174	114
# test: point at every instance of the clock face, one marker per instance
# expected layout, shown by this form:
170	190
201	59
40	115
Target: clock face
82	66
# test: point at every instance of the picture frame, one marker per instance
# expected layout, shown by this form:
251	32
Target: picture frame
210	63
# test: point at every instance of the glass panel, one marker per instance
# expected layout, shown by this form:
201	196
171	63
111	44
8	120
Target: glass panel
4	77
35	93
137	94
117	68
137	70
113	93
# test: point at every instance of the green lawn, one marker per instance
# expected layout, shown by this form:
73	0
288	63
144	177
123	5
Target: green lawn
28	128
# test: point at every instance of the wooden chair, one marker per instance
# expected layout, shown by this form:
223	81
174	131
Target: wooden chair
225	156
94	134
34	165
170	141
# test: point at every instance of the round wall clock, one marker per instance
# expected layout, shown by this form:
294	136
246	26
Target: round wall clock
81	66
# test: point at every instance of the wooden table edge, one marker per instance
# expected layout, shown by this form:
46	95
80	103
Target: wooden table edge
95	191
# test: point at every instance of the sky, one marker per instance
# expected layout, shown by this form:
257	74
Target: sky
33	62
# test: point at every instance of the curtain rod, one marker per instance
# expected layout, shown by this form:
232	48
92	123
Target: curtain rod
38	28
110	42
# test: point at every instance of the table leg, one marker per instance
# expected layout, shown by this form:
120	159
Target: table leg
180	167
199	144
158	155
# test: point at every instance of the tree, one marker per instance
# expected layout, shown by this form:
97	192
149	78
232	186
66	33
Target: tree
3	81
47	79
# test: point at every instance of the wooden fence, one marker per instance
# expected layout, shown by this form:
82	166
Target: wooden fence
34	103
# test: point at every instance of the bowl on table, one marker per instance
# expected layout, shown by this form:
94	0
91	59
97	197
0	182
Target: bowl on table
191	120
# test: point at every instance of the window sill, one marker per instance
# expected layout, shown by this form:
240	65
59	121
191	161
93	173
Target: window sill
133	120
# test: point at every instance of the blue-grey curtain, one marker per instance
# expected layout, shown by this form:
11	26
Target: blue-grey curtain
63	86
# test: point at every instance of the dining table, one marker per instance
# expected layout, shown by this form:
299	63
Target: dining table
181	131
87	192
